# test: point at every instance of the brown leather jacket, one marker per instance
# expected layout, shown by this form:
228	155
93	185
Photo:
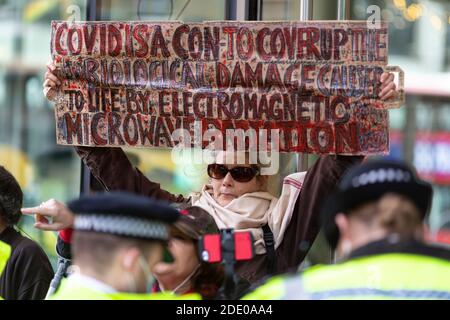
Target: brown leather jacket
114	171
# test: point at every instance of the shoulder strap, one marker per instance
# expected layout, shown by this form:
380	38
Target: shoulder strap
270	249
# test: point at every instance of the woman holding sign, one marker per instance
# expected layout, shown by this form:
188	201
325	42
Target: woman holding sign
283	228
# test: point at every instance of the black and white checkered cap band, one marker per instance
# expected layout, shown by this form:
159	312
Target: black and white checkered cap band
123	226
382	175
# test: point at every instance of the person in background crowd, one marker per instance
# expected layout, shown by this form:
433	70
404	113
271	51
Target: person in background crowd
117	240
237	195
375	222
187	274
28	273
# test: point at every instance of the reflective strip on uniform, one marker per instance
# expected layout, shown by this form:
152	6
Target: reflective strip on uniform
368	293
387	276
294	290
384	276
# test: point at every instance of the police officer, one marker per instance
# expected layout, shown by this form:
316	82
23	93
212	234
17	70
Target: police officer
117	239
375	223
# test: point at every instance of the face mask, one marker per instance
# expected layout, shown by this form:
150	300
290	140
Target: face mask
180	286
346	249
148	275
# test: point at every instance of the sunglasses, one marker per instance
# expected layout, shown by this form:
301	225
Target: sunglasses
239	174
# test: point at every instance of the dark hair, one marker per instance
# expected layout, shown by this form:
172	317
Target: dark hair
208	280
11	198
209	277
194	222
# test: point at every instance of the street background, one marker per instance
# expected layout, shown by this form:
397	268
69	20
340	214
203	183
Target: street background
419	42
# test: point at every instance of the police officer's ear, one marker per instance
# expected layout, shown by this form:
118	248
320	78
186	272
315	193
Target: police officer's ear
130	258
344	243
342	224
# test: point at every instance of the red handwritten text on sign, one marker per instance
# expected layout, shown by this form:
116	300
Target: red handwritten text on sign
136	83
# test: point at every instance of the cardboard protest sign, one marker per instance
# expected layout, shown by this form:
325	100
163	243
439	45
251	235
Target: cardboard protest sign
141	84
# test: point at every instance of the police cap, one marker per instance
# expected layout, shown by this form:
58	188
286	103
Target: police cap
369	182
123	214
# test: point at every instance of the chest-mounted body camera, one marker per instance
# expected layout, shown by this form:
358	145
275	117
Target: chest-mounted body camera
227	247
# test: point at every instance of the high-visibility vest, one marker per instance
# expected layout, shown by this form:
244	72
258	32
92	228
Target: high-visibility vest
71	290
383	276
5	253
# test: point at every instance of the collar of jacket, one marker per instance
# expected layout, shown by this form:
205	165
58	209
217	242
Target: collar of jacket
393	244
8	235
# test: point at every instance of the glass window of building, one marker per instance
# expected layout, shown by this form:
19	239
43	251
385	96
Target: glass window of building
419	42
27	122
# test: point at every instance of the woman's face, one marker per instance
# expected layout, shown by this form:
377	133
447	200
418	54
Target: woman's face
170	275
227	189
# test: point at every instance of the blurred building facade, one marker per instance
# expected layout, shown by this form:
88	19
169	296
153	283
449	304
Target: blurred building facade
419	42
